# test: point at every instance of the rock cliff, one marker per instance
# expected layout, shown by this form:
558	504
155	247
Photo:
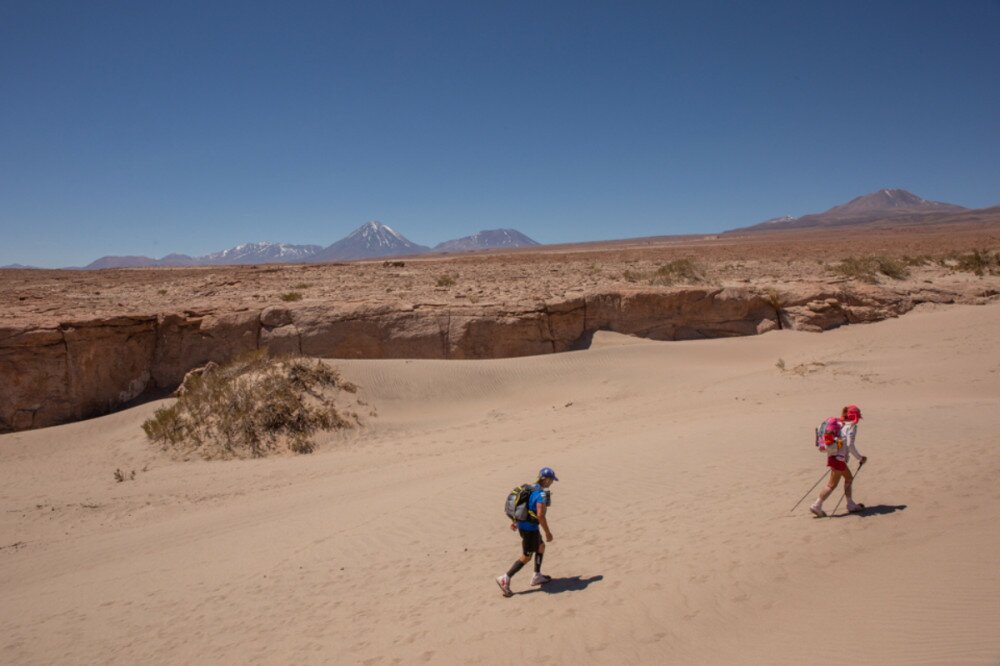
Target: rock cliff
82	368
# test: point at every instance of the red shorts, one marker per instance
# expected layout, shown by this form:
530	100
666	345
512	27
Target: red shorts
835	463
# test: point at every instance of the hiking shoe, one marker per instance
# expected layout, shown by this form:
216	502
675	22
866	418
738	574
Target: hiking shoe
540	579
855	508
504	583
817	511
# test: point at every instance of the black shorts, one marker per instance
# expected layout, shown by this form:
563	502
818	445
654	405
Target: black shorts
530	539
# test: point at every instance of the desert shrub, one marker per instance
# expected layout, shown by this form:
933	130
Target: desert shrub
291	296
867	269
630	276
249	408
979	262
120	476
678	270
919	260
776	299
301	285
893	268
445	280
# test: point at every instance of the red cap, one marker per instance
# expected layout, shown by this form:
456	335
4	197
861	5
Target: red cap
853	413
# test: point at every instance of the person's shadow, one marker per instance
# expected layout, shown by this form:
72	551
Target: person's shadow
570	584
877	510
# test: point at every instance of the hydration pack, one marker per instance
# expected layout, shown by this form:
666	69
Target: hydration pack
828	439
517	507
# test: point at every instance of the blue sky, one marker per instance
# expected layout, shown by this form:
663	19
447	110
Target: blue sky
156	127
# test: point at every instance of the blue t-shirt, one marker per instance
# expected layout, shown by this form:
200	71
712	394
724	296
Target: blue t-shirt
537	496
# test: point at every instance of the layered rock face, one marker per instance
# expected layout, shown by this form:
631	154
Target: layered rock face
80	369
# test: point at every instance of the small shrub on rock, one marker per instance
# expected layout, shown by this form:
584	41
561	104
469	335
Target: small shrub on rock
251	407
678	270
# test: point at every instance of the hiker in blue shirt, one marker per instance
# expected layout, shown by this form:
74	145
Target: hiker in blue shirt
531	542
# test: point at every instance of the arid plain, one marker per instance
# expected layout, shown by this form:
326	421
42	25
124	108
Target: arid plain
680	459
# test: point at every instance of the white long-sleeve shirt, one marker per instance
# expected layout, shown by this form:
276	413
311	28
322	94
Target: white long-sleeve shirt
849	433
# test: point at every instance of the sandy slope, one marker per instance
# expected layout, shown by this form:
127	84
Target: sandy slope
674	540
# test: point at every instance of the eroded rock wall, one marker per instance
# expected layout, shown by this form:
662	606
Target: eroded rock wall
79	369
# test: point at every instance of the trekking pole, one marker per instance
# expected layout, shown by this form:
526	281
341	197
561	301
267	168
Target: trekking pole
810	490
858	471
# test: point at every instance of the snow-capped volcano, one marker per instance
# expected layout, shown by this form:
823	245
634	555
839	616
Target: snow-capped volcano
261	253
370	240
486	240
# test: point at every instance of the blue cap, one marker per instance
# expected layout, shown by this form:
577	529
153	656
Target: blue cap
547	473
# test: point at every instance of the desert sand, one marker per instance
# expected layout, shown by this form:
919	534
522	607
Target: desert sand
679	464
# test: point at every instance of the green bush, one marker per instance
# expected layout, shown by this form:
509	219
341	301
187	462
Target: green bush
249	408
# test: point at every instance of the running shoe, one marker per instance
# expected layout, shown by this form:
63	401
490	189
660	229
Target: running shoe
540	579
817	511
504	583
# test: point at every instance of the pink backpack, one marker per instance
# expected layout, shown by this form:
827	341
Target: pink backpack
828	438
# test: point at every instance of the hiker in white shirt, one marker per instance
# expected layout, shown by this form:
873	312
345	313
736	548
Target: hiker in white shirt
837	462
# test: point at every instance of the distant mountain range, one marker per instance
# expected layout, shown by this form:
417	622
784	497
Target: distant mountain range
248	253
495	238
369	241
875	207
374	239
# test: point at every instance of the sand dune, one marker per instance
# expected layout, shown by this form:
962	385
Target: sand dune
679	464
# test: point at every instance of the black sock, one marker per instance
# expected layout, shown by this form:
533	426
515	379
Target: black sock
514	569
538	562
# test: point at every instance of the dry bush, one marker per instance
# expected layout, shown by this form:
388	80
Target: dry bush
979	262
678	270
251	407
919	260
291	296
629	276
776	299
868	268
446	280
